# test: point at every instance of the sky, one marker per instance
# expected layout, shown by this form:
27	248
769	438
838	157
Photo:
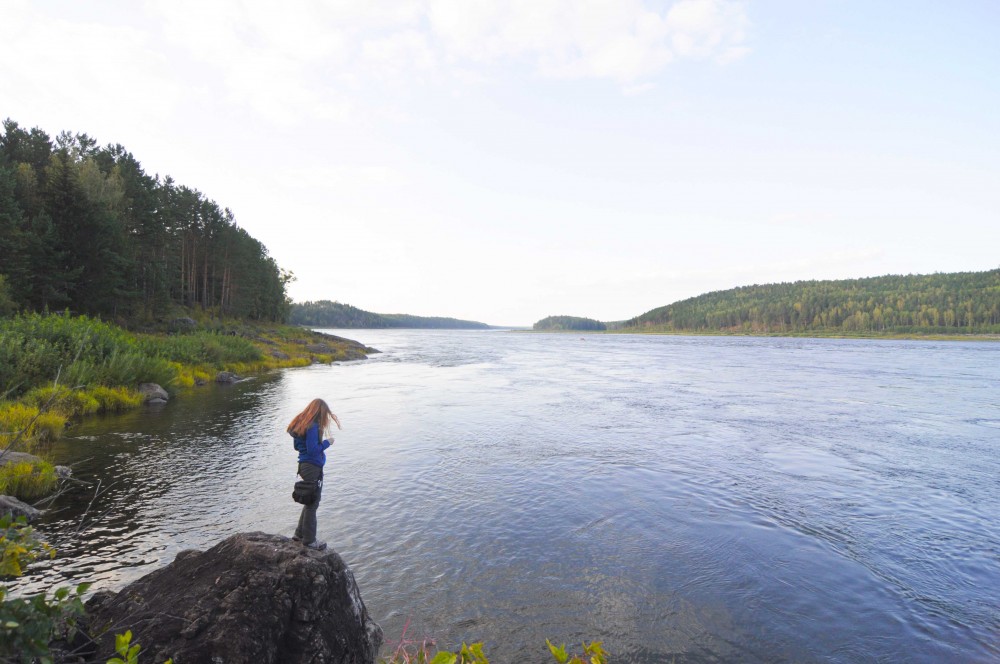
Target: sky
505	161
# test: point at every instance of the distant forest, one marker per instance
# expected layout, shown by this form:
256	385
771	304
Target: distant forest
85	228
325	313
955	303
557	323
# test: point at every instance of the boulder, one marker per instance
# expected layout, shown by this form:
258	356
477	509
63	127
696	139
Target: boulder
319	348
153	393
253	597
64	472
9	505
18	457
279	355
226	377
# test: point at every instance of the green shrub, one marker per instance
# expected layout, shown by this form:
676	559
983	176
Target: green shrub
28	625
34	348
202	348
19	546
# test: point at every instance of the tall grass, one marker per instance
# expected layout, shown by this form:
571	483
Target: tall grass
202	349
34	348
37	426
27	481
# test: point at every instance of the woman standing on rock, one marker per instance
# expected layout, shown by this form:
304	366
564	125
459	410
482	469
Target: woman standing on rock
307	429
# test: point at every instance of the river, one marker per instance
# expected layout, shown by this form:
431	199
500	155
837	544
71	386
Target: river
688	499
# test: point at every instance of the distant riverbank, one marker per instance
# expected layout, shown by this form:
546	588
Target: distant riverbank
777	335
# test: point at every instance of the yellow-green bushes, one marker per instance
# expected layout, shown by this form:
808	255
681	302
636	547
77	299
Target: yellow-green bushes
27	481
17	417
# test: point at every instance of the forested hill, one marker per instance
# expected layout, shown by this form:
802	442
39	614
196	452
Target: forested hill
567	323
955	303
85	228
325	313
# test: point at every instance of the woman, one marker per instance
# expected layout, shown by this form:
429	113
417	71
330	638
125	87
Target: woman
307	430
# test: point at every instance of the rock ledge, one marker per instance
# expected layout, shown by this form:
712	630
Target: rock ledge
253	597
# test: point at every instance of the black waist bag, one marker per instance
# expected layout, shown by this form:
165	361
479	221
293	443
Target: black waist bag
305	491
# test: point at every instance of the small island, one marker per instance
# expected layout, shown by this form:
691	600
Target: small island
569	324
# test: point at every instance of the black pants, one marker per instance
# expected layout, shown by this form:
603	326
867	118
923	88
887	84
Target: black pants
306	530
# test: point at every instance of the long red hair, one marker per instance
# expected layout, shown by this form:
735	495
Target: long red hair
317	412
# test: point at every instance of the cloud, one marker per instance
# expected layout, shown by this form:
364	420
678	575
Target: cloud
708	29
282	60
621	40
61	67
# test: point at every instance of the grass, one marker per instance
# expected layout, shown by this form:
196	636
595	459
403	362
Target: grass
37	426
27	481
103	364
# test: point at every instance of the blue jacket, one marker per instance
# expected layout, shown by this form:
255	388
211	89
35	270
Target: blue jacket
310	447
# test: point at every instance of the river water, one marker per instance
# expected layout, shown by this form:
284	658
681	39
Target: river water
688	499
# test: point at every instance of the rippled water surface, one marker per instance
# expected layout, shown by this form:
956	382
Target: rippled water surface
681	499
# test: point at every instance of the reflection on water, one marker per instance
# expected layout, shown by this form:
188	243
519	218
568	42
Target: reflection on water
709	499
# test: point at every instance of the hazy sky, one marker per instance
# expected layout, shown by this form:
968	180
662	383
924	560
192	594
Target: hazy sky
504	161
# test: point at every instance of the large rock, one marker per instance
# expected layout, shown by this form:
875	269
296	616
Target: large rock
153	393
226	377
18	457
251	598
9	505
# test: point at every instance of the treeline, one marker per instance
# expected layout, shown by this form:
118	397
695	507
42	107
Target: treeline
955	303
325	313
85	228
557	323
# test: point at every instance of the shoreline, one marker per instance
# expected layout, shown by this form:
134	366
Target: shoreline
910	336
36	418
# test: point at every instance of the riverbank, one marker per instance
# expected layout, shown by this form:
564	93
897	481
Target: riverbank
910	336
56	369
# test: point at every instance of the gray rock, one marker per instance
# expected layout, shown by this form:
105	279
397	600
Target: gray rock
18	457
253	597
153	391
319	348
226	377
64	472
280	355
9	505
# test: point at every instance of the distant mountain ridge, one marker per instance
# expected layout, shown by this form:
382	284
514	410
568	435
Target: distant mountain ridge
326	313
944	303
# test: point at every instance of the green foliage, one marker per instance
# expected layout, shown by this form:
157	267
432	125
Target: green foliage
86	227
28	625
63	400
592	652
36	347
27	481
19	546
954	303
7	304
26	421
202	348
409	652
559	323
325	313
115	399
127	653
